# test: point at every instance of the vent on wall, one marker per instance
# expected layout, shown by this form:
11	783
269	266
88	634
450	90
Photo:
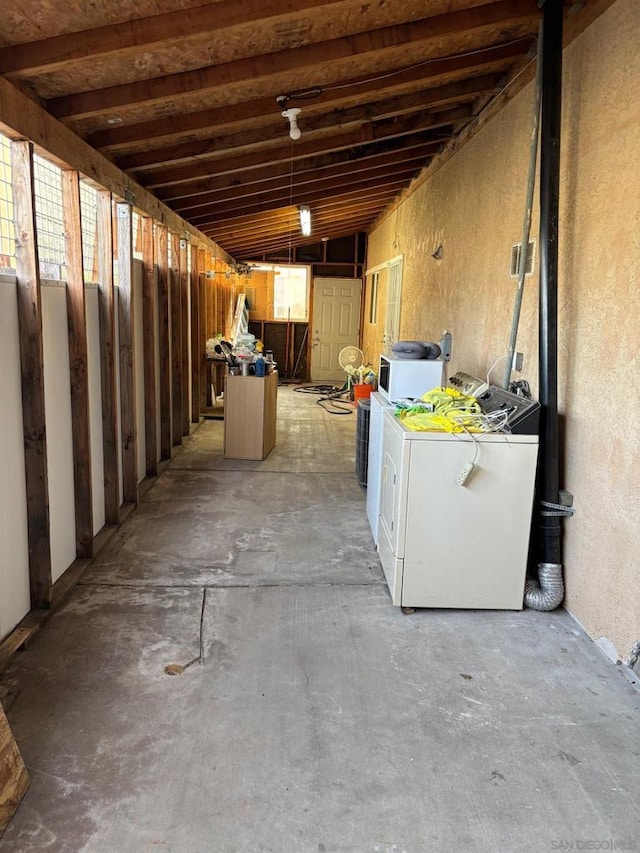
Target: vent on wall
516	252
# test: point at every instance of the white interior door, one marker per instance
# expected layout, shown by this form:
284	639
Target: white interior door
394	294
335	324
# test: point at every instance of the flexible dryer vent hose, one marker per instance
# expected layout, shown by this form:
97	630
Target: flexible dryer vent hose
548	591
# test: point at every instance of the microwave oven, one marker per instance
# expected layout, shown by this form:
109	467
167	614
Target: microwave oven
399	378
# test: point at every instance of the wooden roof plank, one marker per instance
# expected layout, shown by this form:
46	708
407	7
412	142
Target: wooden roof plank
336	120
227	116
127	38
436	32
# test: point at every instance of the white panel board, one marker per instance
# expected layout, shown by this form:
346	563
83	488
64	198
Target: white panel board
138	368
57	398
14	547
95	406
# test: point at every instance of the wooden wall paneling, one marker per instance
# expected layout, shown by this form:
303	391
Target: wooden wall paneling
14	779
125	329
149	335
106	296
196	348
162	260
176	343
79	372
32	374
184	339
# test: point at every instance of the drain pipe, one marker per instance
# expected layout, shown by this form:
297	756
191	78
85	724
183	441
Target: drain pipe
548	591
526	224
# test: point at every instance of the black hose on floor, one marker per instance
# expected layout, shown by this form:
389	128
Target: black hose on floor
330	397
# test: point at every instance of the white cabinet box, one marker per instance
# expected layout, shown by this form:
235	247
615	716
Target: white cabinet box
446	545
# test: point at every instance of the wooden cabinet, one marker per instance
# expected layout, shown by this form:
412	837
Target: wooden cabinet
250	416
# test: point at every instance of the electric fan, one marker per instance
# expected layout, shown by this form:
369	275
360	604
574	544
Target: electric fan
351	360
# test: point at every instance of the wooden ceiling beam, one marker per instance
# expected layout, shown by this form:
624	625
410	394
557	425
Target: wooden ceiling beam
404	148
247	223
309	181
337	120
371	133
491	60
142	34
280	239
299	192
434	35
250	218
281	243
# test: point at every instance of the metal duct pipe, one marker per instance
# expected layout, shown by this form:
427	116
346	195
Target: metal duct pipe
548	591
549	524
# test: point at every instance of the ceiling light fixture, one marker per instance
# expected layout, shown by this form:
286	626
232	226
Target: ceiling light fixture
292	114
305	219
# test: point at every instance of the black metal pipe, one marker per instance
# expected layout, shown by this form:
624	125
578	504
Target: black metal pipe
548	481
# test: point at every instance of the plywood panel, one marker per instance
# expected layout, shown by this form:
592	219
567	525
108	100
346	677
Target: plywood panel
14	548
57	396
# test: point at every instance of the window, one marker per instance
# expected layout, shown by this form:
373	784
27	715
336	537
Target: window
291	293
7	234
47	181
88	213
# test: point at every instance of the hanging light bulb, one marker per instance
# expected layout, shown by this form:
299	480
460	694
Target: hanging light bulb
292	114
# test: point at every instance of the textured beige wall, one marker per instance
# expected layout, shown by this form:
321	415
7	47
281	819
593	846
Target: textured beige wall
473	206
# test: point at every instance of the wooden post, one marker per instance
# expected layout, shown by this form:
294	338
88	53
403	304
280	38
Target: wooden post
185	318
14	779
106	297
125	330
79	373
149	343
164	345
32	373
176	343
202	327
196	351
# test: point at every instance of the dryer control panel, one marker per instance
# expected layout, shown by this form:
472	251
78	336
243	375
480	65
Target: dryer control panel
523	414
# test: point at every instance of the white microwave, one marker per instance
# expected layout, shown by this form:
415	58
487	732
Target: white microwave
399	378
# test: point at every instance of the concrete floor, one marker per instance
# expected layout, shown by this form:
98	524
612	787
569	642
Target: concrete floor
321	718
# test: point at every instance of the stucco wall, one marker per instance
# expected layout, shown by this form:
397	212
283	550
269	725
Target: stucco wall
473	207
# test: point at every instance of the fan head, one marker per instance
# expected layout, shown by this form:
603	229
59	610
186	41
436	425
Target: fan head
351	359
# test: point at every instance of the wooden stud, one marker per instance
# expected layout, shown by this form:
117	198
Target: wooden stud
79	371
176	343
164	341
106	298
125	330
149	310
32	372
184	337
203	266
14	779
196	351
